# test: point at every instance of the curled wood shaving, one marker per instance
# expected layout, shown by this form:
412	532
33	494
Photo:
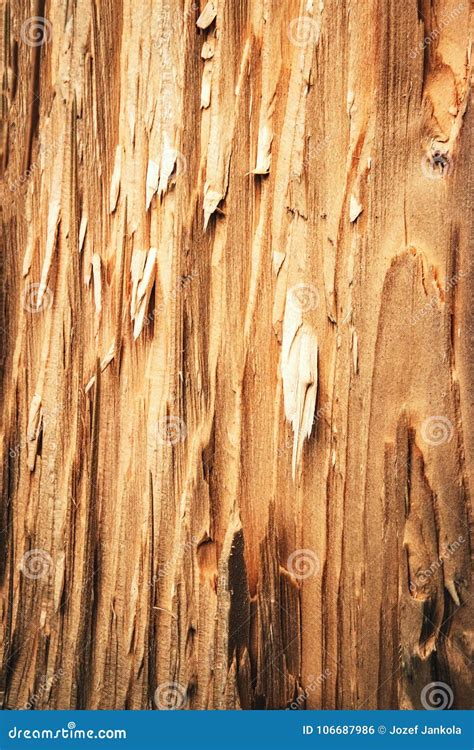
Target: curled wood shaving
152	177
143	292
207	16
355	208
96	266
35	419
299	370
115	184
82	232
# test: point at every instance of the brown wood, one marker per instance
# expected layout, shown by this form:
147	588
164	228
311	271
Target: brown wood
238	439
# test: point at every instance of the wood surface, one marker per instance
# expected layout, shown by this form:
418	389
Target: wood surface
237	372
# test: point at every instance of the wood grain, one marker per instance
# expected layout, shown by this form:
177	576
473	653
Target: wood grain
237	372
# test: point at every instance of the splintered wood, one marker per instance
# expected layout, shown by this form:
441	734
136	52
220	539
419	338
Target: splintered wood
237	371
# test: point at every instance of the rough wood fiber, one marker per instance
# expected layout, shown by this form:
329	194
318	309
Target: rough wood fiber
238	439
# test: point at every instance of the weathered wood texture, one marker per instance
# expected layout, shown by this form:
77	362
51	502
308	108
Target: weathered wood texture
225	229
